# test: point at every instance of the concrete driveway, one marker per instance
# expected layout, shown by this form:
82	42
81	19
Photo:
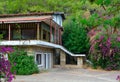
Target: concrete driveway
70	75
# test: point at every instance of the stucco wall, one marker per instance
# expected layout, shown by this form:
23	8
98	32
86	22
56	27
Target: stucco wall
33	50
58	19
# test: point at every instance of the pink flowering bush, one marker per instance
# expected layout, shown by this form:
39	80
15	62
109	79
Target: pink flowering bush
106	52
118	78
5	65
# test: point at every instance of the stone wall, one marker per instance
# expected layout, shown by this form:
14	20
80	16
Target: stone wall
63	61
33	50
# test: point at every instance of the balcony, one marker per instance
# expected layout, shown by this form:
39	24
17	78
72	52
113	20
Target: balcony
30	31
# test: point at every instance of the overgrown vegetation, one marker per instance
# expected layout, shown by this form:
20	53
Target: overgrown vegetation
23	64
105	44
106	52
101	21
75	37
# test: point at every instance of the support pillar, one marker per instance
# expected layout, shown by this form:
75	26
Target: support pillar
79	61
38	31
9	34
50	30
55	34
58	36
62	58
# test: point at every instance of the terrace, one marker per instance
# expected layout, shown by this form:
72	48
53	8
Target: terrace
30	28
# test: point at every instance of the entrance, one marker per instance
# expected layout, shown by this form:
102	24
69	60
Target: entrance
47	60
44	60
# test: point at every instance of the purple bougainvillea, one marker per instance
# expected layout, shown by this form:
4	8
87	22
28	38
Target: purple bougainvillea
6	49
118	78
5	65
118	39
105	53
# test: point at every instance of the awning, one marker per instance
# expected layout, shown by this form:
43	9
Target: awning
39	43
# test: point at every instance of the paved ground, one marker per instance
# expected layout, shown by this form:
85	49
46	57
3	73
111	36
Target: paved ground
71	75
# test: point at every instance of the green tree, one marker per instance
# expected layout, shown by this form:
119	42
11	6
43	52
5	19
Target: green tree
75	37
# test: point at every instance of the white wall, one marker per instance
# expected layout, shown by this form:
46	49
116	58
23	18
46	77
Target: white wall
58	19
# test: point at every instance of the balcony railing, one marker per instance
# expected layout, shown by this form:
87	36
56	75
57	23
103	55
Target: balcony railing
31	31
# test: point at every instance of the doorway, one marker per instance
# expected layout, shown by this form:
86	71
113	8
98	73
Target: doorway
47	60
44	60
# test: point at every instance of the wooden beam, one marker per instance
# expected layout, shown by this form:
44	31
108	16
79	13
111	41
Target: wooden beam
50	30
38	31
60	37
55	34
9	33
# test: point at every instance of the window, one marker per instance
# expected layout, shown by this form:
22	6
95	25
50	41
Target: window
46	32
25	34
4	33
39	59
28	34
16	35
44	35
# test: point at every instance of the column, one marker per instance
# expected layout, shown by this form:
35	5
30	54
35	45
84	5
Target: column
50	30
62	58
9	33
58	36
38	31
55	34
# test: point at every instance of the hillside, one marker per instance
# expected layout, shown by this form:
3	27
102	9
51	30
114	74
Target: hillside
71	7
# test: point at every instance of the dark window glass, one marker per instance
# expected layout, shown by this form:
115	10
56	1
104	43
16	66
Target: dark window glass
44	35
38	59
4	34
16	34
48	36
28	34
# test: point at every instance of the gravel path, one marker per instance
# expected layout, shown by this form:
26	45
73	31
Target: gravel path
71	75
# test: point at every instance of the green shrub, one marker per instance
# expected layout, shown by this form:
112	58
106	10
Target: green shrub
24	65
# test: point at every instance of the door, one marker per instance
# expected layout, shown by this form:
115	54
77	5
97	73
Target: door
47	60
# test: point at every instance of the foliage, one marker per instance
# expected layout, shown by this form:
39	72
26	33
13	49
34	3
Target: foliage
118	78
75	37
5	66
24	65
25	6
103	23
106	53
103	15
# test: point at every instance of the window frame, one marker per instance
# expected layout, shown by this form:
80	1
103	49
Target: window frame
5	36
14	32
39	65
30	29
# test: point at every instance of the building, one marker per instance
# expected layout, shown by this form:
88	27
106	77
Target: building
40	35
